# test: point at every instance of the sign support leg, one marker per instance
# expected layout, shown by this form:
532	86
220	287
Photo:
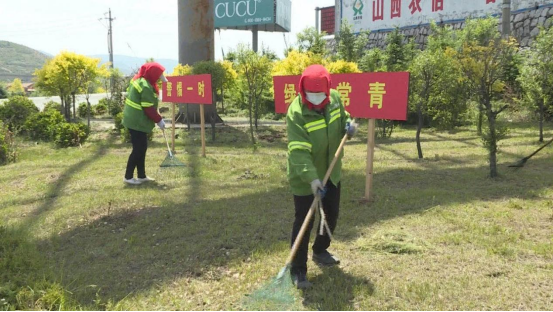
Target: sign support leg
202	118
173	127
370	159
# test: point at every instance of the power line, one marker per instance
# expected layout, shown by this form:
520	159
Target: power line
40	29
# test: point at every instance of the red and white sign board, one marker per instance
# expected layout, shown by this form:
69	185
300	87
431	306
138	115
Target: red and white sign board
366	95
192	89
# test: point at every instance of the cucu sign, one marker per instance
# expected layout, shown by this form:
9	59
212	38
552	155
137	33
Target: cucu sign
236	8
236	13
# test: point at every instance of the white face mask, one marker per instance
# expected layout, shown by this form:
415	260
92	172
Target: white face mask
315	98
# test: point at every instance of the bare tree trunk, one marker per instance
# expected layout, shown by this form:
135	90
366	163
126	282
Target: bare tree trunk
187	117
492	141
480	119
74	111
67	107
250	100
256	112
542	108
62	108
213	114
88	107
222	100
419	128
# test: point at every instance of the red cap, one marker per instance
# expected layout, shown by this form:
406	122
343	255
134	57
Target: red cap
315	78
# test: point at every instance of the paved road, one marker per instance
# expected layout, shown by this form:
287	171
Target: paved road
41	101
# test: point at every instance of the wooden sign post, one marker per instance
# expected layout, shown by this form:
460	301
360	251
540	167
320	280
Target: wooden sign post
192	89
202	119
370	159
173	127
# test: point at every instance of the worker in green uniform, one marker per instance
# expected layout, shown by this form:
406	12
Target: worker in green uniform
140	116
316	123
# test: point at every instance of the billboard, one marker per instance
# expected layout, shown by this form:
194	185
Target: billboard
192	89
366	95
381	15
328	20
269	15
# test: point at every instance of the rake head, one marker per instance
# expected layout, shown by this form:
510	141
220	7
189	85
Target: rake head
171	161
277	294
519	164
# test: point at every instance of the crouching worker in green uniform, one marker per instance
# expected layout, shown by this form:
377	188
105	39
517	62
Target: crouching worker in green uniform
140	116
316	124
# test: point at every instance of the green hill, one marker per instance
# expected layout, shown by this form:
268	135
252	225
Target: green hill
18	61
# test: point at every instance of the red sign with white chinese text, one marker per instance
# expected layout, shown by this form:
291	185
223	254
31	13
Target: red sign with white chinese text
366	95
193	89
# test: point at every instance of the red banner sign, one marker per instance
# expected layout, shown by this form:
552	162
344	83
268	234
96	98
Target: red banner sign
366	95
193	89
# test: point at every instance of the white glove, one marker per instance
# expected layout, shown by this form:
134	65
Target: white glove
161	124
316	187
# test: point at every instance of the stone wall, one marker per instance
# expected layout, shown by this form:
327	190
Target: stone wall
524	27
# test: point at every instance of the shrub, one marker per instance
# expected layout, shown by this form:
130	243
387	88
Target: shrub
115	108
8	149
82	110
102	107
52	106
3	92
16	110
118	120
71	134
42	126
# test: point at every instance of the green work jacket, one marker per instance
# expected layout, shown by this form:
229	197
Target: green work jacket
140	94
313	139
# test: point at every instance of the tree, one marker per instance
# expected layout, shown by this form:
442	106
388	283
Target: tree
342	67
91	76
217	72
310	40
16	88
536	79
481	32
448	104
296	62
434	82
182	70
255	72
66	75
229	80
482	62
51	80
396	57
350	47
115	84
372	61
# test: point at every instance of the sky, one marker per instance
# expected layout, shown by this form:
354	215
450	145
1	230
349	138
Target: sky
142	28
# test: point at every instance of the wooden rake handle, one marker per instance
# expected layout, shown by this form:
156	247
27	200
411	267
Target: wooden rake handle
305	224
539	149
168	148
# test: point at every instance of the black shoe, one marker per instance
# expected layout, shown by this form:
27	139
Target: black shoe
325	258
300	280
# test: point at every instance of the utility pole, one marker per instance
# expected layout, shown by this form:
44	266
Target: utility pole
506	18
110	48
255	30
317	10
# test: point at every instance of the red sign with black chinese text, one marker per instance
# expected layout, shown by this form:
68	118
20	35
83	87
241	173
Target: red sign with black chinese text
193	89
366	95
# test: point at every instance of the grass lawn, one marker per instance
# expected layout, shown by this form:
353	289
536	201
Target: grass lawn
439	234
